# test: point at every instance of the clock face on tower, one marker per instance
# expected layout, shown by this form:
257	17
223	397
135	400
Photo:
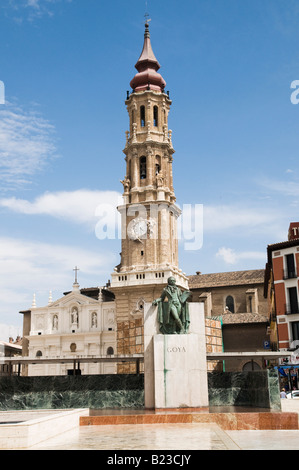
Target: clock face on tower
137	228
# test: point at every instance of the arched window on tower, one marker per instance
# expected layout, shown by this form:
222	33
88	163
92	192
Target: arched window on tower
142	116
230	304
142	168
156	116
157	165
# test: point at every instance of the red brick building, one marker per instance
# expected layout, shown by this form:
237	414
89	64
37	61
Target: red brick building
281	287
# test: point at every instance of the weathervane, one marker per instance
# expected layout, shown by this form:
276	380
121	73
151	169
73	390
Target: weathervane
146	16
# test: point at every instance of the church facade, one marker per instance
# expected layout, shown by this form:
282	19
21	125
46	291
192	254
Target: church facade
80	324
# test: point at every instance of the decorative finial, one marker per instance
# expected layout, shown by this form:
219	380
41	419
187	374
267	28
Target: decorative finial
33	302
50	298
147	20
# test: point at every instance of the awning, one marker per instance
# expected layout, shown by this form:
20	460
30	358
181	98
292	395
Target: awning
283	368
293	366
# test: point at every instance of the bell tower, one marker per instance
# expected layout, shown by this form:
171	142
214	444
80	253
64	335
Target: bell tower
149	250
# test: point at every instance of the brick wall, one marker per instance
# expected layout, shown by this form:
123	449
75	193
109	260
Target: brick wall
213	342
130	340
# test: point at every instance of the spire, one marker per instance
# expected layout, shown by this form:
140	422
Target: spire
147	65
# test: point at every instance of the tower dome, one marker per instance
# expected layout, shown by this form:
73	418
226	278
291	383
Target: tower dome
147	65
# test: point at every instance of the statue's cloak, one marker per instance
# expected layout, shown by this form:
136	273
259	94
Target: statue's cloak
165	319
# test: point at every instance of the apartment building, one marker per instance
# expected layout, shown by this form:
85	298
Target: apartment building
281	287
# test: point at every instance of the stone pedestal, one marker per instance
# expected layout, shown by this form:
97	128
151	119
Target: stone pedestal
180	371
175	368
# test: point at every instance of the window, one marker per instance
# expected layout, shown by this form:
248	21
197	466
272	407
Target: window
142	116
295	330
156	116
142	168
230	304
110	351
292	305
157	164
290	271
38	354
251	366
250	304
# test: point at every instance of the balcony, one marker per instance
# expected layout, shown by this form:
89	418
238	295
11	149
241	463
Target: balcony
291	308
289	274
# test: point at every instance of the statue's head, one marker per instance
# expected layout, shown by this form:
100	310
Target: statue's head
171	280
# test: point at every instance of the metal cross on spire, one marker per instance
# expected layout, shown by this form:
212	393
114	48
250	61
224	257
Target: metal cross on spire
76	273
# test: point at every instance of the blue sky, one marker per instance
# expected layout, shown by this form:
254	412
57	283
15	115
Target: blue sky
66	66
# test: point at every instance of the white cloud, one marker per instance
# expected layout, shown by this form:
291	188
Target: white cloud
33	9
230	256
81	207
33	3
26	145
29	267
285	188
233	216
227	254
36	265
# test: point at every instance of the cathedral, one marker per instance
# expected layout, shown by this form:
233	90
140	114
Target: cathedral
109	320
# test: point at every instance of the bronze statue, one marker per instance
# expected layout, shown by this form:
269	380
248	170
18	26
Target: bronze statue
173	316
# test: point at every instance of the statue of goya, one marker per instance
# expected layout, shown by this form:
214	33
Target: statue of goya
173	316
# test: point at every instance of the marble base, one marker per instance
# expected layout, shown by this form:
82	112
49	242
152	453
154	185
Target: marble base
61	392
226	420
259	389
180	372
26	434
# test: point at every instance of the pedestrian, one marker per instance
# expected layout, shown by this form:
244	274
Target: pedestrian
283	393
